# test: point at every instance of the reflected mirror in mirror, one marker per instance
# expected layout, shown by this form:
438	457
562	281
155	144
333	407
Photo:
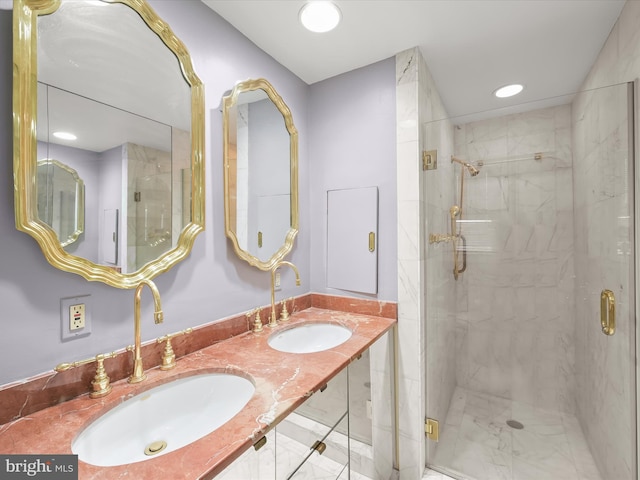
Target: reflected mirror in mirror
119	99
61	200
260	156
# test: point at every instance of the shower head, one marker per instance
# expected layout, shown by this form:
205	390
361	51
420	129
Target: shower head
473	171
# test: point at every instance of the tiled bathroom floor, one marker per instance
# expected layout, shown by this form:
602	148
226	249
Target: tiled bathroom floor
476	442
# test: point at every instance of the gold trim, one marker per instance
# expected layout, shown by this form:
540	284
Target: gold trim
260	443
429	159
229	101
608	312
25	14
432	429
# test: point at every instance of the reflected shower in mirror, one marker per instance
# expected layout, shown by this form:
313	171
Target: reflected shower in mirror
136	167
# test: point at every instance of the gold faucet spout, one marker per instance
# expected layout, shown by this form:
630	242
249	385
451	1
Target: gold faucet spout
138	374
272	320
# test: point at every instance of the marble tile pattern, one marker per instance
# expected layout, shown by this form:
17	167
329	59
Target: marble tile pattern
383	441
180	180
417	102
283	381
514	316
435	475
604	259
604	255
149	233
478	444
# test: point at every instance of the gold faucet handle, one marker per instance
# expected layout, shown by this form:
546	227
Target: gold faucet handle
101	383
169	356
257	323
284	313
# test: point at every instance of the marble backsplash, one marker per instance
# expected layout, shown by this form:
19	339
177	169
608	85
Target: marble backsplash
22	398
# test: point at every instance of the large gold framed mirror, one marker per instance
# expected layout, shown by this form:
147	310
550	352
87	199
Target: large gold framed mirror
260	150
108	85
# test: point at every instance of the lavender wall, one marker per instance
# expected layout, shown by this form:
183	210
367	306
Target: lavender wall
210	284
351	133
352	144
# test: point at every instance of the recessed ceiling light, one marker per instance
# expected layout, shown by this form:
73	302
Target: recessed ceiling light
64	135
320	17
508	90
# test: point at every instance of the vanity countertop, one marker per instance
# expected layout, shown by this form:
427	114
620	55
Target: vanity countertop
282	381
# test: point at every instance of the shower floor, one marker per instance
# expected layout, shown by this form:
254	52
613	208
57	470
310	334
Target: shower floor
476	442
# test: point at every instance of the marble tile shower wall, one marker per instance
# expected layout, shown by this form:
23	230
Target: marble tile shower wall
604	259
604	365
417	103
515	322
148	173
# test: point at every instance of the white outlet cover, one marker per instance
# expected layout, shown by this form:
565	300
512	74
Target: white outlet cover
65	308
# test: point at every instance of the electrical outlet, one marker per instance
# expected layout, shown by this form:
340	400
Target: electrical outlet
75	317
277	282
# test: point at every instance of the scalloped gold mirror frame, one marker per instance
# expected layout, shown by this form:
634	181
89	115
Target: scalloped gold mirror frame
25	14
229	101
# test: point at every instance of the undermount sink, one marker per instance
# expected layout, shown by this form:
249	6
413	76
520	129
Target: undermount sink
163	419
309	338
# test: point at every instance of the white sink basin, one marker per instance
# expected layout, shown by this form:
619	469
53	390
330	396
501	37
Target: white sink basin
309	338
163	419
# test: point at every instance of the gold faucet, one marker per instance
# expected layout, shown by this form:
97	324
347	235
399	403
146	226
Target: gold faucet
138	374
272	320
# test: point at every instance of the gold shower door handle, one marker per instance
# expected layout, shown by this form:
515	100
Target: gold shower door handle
372	241
608	312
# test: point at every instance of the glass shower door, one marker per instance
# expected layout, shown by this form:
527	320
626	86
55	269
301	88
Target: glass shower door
520	376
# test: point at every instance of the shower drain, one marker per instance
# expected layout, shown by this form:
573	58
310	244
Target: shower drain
515	424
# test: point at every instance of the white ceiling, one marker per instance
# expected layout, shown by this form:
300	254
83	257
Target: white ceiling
471	47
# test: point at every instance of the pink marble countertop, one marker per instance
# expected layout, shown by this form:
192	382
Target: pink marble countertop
282	381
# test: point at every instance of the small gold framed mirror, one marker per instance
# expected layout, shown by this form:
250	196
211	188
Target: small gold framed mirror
61	200
109	85
260	150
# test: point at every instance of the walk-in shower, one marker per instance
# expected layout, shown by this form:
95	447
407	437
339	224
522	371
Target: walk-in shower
524	374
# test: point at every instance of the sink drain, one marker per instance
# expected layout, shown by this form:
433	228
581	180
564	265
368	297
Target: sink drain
155	447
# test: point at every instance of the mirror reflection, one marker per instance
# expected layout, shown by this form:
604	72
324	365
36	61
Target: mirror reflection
61	200
135	171
260	156
117	98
